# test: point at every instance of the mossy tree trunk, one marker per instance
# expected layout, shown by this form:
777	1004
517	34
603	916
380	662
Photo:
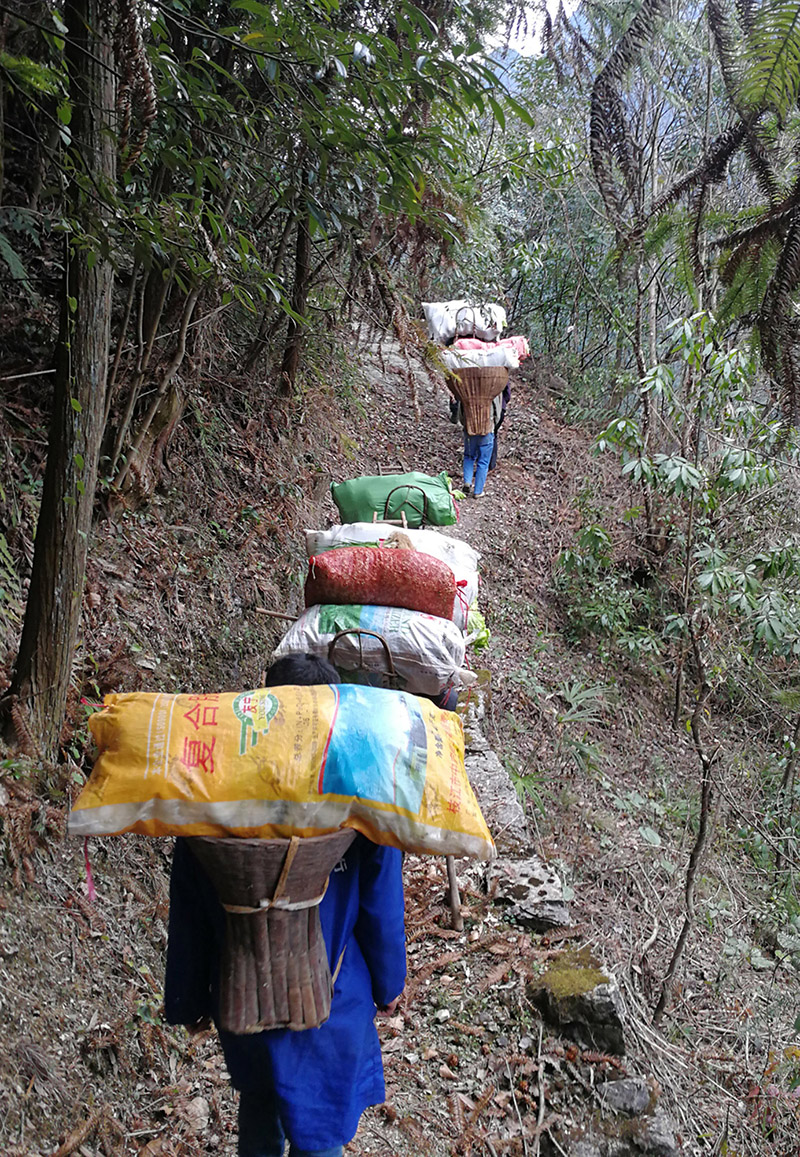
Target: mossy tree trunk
43	668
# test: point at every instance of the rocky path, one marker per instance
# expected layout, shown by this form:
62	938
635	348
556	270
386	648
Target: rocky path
512	1033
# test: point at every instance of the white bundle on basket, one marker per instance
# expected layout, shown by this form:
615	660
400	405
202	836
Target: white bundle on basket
458	555
503	357
485	321
441	319
449	319
427	652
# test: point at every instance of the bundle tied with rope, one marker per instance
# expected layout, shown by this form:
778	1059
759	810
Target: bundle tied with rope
475	389
274	971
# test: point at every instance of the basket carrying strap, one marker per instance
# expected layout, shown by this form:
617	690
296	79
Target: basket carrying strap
291	852
276	901
338	967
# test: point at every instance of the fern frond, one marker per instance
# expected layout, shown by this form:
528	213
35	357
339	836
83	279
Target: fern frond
762	164
684	268
747	273
660	232
746	10
772	225
777	322
610	138
787	273
711	169
772	80
728	41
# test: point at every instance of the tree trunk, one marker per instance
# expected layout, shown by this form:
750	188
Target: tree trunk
44	664
4	19
295	332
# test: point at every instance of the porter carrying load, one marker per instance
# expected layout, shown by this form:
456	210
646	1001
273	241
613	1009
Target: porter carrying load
475	389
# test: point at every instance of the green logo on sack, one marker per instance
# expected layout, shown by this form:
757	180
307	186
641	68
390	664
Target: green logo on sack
255	710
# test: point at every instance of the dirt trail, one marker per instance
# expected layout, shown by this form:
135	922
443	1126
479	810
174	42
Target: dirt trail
460	1056
86	1064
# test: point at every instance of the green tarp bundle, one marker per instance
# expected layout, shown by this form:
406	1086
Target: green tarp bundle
421	497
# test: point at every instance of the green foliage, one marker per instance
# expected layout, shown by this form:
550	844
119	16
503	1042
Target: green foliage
31	76
311	112
747	278
528	784
15	267
706	483
584	704
772	77
584	708
10	588
17	221
600	596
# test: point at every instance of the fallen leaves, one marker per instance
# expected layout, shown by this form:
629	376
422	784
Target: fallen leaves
196	1114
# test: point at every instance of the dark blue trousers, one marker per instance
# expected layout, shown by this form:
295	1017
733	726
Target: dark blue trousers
260	1130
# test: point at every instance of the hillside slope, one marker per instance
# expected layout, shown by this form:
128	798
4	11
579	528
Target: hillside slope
173	601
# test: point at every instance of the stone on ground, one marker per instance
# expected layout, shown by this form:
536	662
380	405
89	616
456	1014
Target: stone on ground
582	1000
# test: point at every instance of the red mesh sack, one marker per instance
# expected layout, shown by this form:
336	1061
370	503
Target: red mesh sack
382	577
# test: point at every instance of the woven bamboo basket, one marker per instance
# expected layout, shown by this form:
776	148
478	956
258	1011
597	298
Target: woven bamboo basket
274	971
475	387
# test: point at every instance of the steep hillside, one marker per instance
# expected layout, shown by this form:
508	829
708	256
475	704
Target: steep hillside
175	600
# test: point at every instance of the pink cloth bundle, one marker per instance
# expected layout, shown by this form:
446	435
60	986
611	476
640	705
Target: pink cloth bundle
518	343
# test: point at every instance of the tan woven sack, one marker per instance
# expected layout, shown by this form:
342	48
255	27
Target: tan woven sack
475	389
274	971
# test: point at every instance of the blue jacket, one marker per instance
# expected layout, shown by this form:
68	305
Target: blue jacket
323	1077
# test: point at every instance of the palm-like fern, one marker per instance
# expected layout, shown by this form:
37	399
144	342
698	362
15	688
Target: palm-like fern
772	78
757	46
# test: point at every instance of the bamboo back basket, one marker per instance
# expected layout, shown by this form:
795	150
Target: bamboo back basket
475	387
274	971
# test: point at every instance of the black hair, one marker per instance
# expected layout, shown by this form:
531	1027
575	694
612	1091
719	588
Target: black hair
301	670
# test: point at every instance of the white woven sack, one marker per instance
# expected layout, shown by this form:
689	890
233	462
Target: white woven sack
504	356
441	319
427	651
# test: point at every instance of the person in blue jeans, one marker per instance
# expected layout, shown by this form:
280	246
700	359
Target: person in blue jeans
477	456
484	416
309	1087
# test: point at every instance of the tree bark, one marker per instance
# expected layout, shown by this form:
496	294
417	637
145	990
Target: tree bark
296	329
3	27
41	679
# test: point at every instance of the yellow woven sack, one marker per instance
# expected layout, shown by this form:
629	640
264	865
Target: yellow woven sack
283	761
